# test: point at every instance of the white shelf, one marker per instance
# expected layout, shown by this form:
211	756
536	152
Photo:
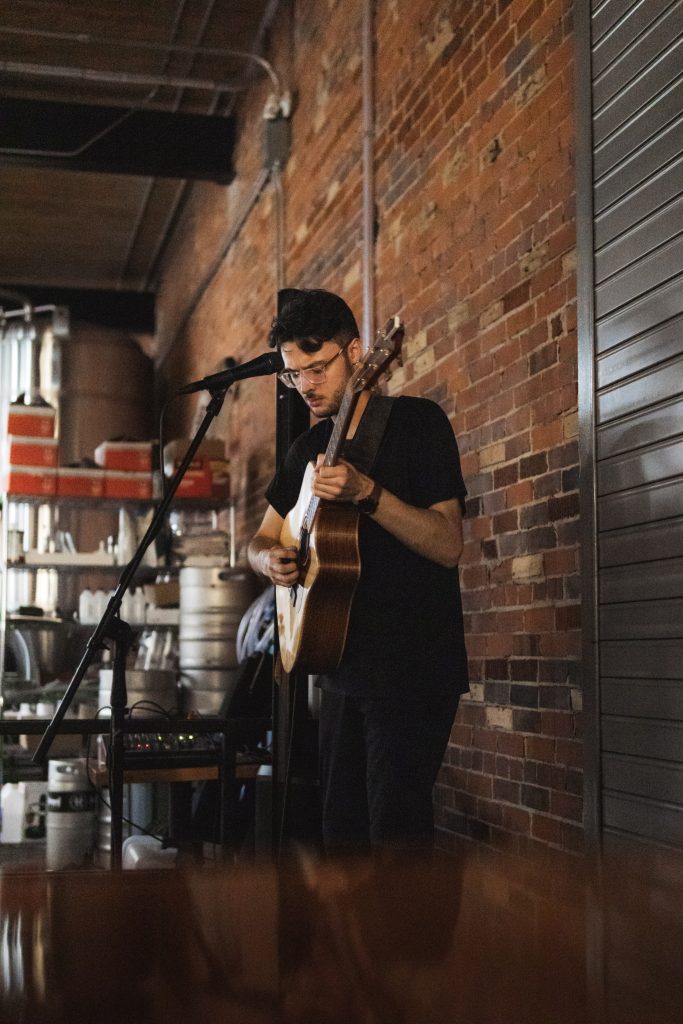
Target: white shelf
48	562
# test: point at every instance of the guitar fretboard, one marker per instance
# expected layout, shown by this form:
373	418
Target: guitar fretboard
337	438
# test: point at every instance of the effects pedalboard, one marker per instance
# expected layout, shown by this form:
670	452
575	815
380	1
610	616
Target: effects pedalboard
165	750
170	743
176	750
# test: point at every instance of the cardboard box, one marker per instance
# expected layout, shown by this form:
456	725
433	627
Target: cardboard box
32	451
127	485
34	481
208	475
162	595
31	420
174	452
212	480
128	456
220	479
80	483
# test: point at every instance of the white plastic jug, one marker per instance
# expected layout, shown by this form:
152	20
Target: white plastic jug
13	803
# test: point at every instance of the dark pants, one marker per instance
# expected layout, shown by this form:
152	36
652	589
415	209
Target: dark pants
379	761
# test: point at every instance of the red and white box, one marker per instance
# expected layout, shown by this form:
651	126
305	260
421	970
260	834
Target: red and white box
34	481
127	485
208	475
31	420
196	483
75	482
32	451
127	456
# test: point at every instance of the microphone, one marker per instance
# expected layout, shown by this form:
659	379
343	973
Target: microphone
261	366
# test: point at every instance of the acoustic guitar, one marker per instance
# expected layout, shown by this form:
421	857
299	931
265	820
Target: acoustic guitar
313	615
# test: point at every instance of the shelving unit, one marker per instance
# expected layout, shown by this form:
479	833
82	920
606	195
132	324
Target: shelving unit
92	567
20	583
70	570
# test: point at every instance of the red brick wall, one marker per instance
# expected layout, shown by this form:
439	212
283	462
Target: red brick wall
475	249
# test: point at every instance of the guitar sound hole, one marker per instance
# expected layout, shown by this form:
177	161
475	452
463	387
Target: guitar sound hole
302	557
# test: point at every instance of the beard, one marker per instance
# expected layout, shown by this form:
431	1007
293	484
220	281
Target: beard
331	406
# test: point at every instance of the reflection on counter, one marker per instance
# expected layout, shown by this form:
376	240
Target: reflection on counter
480	938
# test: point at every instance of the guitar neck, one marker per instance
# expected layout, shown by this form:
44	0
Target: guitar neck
334	446
341	427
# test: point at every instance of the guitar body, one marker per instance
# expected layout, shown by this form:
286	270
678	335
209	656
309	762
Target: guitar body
313	617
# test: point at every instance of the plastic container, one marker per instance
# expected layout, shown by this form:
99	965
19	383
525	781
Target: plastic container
86	606
13	804
140	852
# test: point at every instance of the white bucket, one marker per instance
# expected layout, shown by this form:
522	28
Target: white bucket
71	807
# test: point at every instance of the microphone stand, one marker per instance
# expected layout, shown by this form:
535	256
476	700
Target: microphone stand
111	627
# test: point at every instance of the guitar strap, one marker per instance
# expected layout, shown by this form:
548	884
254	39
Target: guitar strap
365	444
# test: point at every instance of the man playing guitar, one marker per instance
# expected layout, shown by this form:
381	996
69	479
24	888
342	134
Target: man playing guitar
388	706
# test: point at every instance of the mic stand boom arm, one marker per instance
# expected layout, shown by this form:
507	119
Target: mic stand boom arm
111	627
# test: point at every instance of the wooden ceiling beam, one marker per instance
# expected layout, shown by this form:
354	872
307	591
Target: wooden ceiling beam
133	311
116	140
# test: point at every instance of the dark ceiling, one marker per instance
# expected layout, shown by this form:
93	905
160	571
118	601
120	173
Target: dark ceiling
89	90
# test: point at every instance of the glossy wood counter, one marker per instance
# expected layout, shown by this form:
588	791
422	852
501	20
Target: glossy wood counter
476	939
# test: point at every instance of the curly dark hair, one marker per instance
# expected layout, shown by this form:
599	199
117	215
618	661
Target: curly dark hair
310	317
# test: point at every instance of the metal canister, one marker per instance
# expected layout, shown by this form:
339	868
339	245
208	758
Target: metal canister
150	692
71	809
213	600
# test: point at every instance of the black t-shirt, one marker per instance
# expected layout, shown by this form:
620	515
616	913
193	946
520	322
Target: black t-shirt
406	627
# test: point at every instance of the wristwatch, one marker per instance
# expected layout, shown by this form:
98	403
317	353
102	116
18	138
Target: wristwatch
369	504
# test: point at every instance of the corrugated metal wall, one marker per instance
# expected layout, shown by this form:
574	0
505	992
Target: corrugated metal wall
637	101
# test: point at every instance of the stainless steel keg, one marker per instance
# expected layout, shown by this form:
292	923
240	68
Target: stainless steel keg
213	600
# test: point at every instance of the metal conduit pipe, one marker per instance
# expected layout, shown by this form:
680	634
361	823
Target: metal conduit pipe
138	44
116	77
368	243
279	226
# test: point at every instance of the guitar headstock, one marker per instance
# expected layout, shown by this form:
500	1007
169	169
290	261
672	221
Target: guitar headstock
376	361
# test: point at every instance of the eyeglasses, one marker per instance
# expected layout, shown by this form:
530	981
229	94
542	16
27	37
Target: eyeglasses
316	374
